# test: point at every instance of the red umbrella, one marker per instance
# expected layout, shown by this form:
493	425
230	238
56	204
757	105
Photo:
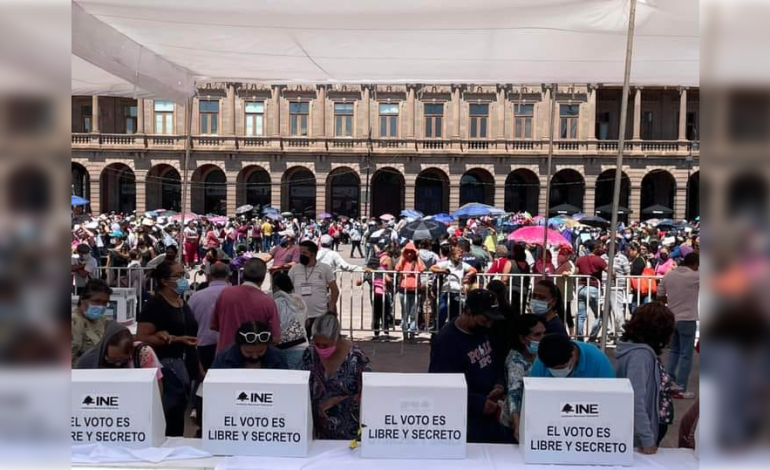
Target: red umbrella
534	236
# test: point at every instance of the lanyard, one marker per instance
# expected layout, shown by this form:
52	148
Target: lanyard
309	276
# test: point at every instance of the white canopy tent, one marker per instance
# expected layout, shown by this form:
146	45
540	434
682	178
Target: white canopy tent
146	48
165	48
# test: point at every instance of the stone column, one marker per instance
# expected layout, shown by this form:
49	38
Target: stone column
322	110
680	201
409	189
455	114
95	114
231	109
140	116
635	200
589	198
141	191
544	117
365	108
683	114
276	188
95	189
454	192
638	114
501	114
232	197
499	199
409	116
320	193
591	112
275	110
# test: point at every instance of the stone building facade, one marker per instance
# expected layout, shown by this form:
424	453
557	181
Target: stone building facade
374	149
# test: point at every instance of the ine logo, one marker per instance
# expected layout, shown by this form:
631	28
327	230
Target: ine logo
579	410
100	402
254	399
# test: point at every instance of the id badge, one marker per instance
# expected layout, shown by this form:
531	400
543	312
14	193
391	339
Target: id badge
306	289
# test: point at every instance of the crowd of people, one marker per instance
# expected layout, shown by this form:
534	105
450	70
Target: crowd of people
493	327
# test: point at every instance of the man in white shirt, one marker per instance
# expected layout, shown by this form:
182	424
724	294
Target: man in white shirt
330	257
315	283
84	267
456	274
679	290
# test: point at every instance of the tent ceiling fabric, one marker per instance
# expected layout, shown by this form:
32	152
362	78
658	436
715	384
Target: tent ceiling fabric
394	41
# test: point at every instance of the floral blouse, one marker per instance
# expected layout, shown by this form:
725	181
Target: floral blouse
343	420
516	368
666	403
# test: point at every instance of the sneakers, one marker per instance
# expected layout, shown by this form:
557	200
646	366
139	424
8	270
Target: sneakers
683	395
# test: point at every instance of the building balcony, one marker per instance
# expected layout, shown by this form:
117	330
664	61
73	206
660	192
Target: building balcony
333	145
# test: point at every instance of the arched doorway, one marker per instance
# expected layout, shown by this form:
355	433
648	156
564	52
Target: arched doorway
81	181
118	188
431	192
605	192
747	195
522	191
299	194
388	192
567	188
164	188
477	185
209	190
693	196
658	191
343	192
253	187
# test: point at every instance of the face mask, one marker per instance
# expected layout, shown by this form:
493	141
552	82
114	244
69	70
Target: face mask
561	373
663	256
539	307
304	260
533	347
182	286
85	257
95	312
325	353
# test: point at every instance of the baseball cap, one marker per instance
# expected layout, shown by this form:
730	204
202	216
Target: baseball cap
484	302
326	240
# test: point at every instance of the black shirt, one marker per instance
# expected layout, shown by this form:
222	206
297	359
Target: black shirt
637	266
177	321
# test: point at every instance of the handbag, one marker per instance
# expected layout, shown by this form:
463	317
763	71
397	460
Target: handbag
176	383
645	286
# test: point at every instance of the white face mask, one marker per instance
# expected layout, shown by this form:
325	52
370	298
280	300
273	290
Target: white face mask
561	373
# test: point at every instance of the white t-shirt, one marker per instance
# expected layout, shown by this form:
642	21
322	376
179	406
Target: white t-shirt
91	268
312	285
454	282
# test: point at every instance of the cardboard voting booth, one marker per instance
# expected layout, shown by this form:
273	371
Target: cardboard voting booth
577	421
413	416
117	407
257	412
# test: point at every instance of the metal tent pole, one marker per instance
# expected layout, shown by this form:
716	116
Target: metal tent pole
185	167
551	130
608	293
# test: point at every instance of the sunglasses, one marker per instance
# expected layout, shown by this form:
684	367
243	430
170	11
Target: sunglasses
252	337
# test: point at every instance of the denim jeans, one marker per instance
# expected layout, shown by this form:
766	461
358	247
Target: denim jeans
408	311
448	308
587	294
681	351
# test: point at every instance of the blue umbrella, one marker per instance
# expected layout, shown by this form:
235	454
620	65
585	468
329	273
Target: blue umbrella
411	214
475	209
444	218
270	210
78	201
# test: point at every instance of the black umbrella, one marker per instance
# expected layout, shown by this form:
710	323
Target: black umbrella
607	209
564	209
383	234
595	221
422	230
657	209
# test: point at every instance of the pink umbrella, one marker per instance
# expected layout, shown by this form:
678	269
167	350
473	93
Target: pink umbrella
187	217
387	217
534	236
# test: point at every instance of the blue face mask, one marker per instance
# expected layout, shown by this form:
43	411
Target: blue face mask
95	312
539	307
182	286
533	347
